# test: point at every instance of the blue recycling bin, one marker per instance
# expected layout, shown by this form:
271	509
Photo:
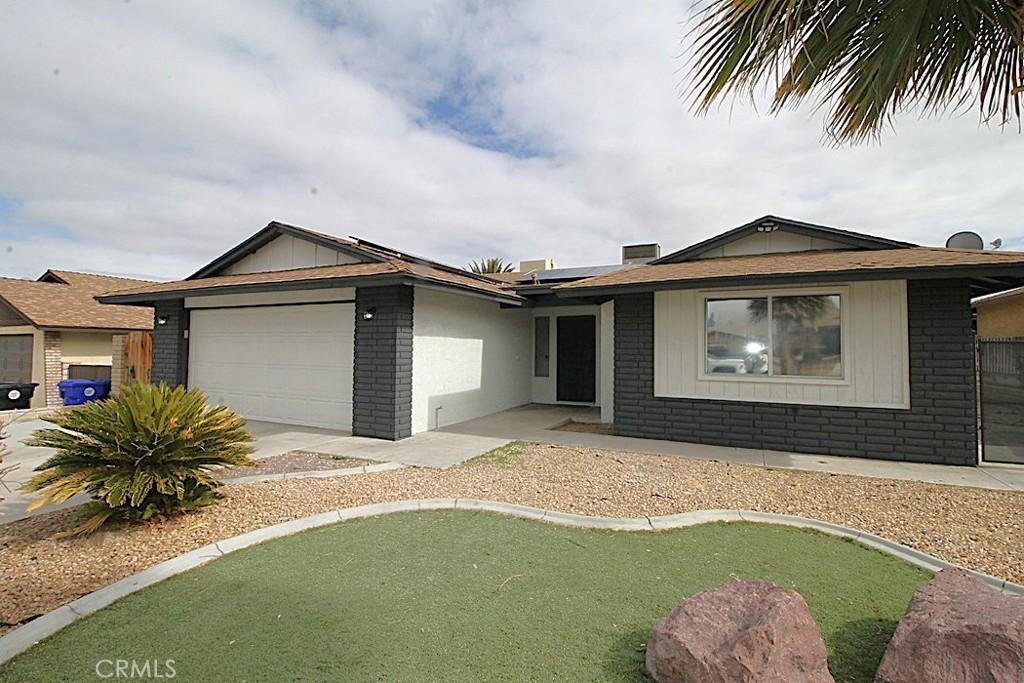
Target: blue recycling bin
76	392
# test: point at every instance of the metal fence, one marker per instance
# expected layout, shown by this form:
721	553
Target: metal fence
1001	379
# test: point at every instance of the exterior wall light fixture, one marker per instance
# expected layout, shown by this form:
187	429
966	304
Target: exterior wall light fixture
369	314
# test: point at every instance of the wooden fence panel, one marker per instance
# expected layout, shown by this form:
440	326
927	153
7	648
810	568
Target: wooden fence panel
138	356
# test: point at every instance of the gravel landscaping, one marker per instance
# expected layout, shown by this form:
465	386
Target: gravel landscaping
296	461
978	528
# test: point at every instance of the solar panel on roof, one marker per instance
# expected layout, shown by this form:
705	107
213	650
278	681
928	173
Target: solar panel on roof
569	273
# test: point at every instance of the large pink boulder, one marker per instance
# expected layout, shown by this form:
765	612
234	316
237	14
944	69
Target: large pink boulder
957	629
742	632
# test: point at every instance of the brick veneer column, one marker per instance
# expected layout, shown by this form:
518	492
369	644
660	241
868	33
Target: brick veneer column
382	376
117	345
170	347
940	427
53	368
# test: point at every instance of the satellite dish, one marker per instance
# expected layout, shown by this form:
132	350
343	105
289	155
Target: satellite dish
965	240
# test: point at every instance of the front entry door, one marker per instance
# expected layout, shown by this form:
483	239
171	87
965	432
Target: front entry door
576	358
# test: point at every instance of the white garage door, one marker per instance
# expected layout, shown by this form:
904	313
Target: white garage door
290	364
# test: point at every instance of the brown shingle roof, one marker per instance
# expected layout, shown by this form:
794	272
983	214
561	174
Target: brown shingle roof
804	263
72	305
390	266
348	270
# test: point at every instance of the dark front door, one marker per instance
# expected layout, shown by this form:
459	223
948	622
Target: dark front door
576	358
16	358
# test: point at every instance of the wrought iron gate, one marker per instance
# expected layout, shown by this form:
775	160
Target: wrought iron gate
1001	379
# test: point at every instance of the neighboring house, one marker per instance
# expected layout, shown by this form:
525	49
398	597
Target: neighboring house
776	335
1001	315
53	328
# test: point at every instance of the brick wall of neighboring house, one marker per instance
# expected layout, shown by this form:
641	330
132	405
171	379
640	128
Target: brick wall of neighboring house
170	348
940	427
117	369
382	376
53	368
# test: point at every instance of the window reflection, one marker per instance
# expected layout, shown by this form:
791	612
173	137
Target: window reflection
737	336
806	336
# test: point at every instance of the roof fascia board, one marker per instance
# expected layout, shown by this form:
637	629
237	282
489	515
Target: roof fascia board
147	298
110	330
268	234
937	273
427	283
809	229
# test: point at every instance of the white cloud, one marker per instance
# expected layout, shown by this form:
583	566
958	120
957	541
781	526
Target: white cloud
173	130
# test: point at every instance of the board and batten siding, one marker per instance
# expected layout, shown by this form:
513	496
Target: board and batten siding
770	243
285	253
874	347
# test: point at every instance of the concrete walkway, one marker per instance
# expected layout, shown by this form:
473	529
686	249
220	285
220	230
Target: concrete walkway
534	422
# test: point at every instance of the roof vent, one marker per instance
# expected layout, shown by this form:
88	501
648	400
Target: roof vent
536	264
640	253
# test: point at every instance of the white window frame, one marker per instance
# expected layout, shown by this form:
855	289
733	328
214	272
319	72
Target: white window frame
842	291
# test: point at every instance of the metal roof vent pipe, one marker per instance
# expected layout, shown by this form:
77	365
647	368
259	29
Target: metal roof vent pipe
633	254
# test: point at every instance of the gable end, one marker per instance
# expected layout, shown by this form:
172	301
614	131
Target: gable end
817	237
284	247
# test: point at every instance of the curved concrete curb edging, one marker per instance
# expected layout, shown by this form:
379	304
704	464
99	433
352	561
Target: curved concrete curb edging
317	474
23	638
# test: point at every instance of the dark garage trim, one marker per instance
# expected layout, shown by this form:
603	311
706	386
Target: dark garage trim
150	298
277	305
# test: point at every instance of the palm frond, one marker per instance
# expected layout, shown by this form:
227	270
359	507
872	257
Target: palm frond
863	60
490	265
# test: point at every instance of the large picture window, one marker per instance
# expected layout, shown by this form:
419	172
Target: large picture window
775	336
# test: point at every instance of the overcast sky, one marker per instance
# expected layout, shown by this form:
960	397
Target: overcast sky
145	138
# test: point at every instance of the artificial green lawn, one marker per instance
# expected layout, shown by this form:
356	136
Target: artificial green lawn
464	596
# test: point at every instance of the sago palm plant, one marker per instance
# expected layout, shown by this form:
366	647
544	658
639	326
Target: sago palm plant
147	451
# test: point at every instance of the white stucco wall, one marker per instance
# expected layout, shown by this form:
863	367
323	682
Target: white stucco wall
470	358
875	349
545	389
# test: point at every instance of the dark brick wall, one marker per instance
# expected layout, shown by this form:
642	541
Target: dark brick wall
382	386
170	348
940	426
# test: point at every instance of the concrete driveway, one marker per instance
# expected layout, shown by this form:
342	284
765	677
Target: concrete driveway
14	502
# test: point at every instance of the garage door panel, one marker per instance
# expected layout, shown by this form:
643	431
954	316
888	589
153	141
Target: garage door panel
16	358
288	364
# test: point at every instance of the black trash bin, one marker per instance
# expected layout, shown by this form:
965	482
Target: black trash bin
16	396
